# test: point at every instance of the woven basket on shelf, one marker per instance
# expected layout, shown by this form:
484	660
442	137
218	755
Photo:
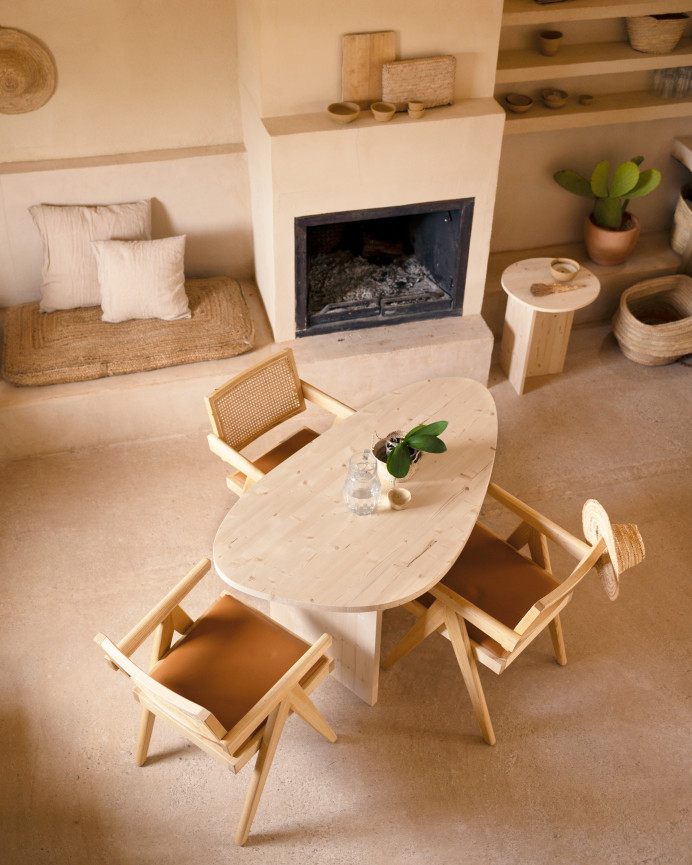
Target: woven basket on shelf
656	34
682	221
653	323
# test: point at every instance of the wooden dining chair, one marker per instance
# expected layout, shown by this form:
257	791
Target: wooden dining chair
228	684
256	401
494	601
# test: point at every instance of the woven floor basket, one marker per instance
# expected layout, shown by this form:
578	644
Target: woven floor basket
682	221
655	34
653	323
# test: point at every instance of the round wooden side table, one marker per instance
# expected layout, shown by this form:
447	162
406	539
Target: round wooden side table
537	328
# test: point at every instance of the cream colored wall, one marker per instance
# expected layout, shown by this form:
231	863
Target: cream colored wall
294	63
132	76
146	106
206	198
532	210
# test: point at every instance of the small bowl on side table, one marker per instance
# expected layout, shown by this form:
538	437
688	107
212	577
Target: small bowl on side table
564	269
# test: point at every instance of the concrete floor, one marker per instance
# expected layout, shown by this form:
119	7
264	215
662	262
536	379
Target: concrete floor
592	761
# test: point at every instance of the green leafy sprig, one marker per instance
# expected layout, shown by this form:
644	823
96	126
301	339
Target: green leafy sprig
421	438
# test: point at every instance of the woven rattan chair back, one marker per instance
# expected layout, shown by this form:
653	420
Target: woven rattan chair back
257	400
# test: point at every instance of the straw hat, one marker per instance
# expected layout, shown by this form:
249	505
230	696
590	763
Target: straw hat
27	73
624	546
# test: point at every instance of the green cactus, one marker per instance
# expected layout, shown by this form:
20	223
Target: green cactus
611	200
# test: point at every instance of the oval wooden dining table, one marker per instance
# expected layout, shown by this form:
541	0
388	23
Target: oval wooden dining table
292	540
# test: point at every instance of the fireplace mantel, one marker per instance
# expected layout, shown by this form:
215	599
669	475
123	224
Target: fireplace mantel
307	163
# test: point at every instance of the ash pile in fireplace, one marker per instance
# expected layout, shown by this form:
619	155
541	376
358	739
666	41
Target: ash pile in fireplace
341	278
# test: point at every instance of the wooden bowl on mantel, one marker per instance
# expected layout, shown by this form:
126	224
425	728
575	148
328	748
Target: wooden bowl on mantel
344	112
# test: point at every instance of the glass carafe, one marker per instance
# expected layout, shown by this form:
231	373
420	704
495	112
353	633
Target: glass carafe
362	485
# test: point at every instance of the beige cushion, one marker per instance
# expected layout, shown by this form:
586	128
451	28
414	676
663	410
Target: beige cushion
499	580
281	452
69	276
229	660
142	279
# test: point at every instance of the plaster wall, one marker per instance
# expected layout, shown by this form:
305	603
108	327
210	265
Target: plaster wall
531	210
206	198
290	55
132	76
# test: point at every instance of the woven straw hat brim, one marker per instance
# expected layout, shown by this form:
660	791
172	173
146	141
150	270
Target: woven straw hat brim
624	545
27	73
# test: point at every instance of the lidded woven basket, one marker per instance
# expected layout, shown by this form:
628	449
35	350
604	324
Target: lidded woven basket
656	34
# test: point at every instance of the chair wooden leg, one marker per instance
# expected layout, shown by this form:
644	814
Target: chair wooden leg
270	741
303	706
427	623
558	640
467	663
145	728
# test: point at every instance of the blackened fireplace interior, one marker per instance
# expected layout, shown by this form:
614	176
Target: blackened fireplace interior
383	266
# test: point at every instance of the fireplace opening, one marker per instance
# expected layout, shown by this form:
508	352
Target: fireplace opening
382	266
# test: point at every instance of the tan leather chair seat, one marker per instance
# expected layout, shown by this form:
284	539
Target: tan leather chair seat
281	452
495	577
229	660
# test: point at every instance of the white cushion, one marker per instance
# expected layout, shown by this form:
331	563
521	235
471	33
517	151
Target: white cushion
142	278
69	277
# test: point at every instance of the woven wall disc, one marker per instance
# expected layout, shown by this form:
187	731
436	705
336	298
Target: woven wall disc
27	73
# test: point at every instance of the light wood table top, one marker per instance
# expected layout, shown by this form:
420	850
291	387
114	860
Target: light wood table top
520	276
291	538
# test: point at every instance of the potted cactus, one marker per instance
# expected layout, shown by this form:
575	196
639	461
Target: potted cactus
610	231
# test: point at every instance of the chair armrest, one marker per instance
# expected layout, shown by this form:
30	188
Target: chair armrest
149	685
320	398
164	608
499	632
231	456
542	524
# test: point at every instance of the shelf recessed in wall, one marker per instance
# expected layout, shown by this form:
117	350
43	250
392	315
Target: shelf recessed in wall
606	109
597	58
518	12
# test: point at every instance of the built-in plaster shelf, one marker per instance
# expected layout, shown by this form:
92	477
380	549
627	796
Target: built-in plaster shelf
300	124
607	109
597	58
518	12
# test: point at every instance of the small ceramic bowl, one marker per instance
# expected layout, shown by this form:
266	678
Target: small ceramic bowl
564	269
399	498
416	105
585	99
554	98
344	112
518	103
383	111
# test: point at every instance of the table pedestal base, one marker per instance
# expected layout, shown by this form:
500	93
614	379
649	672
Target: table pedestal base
533	342
355	647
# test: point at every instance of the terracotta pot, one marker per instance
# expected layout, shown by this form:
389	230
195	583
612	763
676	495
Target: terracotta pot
607	246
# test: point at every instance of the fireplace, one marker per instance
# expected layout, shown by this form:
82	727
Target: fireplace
366	268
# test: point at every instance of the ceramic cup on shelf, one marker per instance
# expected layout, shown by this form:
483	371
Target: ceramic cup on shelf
416	109
550	42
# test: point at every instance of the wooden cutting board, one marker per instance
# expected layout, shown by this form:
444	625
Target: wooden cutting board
363	55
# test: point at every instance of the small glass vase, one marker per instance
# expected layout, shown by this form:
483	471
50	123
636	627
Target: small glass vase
362	485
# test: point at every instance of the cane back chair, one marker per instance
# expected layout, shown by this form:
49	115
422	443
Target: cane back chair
494	601
228	684
256	401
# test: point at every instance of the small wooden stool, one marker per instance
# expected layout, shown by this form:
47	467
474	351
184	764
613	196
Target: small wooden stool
537	328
